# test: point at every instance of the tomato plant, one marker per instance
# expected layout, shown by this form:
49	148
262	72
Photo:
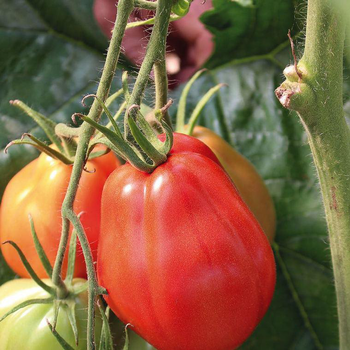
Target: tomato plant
27	328
186	251
39	189
57	47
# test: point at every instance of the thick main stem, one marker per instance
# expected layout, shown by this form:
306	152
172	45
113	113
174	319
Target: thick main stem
318	99
124	10
330	142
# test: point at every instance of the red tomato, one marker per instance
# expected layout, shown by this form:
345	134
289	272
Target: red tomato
245	177
182	257
184	143
39	189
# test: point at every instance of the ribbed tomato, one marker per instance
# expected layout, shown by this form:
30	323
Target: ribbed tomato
245	177
247	180
182	257
39	189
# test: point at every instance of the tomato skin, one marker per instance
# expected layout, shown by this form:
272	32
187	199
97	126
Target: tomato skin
27	329
190	267
247	180
39	189
183	143
245	177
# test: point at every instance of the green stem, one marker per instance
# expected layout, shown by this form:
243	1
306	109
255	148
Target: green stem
318	99
161	84
153	53
124	10
147	5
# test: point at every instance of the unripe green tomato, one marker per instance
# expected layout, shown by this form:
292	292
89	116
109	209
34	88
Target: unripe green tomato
27	328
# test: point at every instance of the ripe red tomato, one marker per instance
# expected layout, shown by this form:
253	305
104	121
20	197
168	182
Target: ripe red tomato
185	143
245	177
181	255
247	180
39	189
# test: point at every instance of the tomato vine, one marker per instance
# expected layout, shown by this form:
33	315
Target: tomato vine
154	56
68	215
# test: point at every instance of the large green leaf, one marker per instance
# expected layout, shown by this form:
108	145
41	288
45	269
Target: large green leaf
72	19
246	28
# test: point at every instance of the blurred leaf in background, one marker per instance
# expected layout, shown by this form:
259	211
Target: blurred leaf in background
248	28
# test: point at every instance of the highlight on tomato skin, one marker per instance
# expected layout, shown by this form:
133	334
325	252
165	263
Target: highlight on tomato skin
190	266
39	189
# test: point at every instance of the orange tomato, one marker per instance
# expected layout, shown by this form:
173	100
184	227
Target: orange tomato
39	189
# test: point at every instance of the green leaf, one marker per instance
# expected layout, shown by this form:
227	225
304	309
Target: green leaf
72	19
25	304
246	28
59	338
30	270
303	312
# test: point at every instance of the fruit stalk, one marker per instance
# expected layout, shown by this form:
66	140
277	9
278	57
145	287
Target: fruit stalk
68	215
315	92
155	56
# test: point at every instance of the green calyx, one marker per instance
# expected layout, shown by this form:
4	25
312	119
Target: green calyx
62	137
139	144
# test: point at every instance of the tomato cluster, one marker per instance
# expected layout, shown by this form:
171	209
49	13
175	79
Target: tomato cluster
182	257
